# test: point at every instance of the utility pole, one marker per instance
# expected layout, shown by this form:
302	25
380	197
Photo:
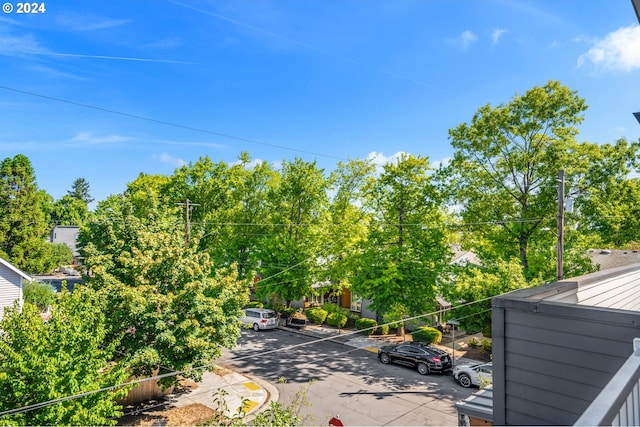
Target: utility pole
560	271
188	206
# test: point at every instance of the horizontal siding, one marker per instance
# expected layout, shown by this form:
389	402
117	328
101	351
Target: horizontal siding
9	288
555	366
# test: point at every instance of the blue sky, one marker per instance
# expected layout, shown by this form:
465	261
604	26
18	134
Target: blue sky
107	89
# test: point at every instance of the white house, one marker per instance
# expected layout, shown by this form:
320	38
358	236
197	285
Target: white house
11	280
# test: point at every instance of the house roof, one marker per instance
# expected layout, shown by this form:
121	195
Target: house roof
479	405
15	269
615	288
611	258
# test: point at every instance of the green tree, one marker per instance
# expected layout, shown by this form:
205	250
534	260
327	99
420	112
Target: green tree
606	199
80	191
347	221
69	211
480	283
407	251
174	310
505	168
23	229
42	362
291	252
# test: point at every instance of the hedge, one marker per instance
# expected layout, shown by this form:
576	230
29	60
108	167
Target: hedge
316	315
366	325
427	334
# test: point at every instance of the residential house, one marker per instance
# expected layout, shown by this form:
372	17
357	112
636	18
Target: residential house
556	346
11	284
67	234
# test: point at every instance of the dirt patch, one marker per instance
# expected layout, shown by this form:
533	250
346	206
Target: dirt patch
192	415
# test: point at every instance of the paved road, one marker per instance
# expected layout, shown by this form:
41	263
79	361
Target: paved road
349	382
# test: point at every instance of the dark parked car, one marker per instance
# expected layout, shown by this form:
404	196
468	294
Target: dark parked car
425	358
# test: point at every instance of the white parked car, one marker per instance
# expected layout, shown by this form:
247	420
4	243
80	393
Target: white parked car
260	318
479	374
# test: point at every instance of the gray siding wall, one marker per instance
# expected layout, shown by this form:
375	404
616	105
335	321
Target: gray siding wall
551	360
10	288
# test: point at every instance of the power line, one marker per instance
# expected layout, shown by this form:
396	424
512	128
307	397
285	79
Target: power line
166	123
41	405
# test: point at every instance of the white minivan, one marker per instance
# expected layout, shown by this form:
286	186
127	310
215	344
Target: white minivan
260	318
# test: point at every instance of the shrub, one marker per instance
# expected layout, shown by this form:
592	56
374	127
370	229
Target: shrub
366	325
331	308
427	334
40	294
473	342
487	346
337	320
255	304
316	315
383	329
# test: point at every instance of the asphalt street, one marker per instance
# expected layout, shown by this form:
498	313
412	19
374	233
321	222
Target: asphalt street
345	381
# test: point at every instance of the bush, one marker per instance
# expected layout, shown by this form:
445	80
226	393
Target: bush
487	346
40	294
337	320
331	308
473	342
366	325
316	315
427	334
486	331
255	304
383	329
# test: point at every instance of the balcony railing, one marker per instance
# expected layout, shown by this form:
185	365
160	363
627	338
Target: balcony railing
618	404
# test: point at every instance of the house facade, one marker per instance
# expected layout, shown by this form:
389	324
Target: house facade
68	235
11	284
556	346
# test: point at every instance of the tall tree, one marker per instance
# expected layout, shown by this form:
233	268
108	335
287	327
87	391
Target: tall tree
162	293
407	251
346	221
505	169
65	356
22	224
80	190
292	251
69	211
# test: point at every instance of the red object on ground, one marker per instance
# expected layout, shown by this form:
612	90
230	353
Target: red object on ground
335	421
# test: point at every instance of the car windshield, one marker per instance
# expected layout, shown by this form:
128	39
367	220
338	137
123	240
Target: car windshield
268	315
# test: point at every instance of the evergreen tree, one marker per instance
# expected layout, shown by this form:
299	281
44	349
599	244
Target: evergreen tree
22	225
80	190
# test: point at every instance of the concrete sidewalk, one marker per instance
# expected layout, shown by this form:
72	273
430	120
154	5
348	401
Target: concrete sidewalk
235	388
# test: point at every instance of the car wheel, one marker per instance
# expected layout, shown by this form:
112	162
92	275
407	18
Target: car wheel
256	327
384	358
464	380
423	369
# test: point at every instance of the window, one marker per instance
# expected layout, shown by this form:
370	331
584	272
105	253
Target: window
356	303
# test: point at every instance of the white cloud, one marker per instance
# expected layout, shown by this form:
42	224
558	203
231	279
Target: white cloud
618	51
463	40
166	158
89	23
11	45
379	159
497	34
467	37
90	138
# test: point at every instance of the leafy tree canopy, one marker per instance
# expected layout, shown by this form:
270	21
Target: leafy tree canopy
64	356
